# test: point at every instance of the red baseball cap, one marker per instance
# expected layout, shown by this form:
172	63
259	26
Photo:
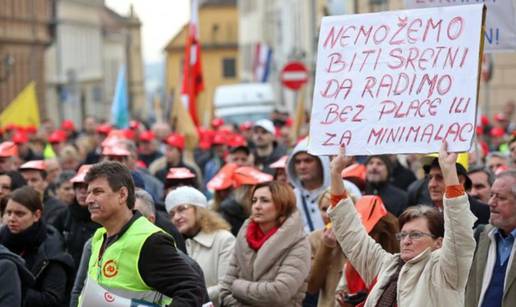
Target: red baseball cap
249	175
20	138
38	165
115	151
146	136
280	163
68	125
57	136
180	173
81	173
176	140
219	139
217	122
8	149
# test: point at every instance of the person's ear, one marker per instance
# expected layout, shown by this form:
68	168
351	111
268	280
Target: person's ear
123	195
438	243
37	215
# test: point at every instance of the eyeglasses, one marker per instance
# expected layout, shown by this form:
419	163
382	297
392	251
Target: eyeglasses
415	235
178	210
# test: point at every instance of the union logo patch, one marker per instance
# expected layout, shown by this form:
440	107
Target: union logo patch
109	269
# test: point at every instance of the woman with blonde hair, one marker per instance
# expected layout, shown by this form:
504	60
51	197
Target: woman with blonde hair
207	236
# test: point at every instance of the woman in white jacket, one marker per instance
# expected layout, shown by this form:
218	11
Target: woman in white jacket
207	237
434	260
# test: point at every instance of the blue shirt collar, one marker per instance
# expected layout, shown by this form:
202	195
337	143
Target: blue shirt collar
498	233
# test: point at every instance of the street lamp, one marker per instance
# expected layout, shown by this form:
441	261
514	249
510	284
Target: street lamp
7	65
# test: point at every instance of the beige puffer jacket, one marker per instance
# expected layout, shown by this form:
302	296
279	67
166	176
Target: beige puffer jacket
274	276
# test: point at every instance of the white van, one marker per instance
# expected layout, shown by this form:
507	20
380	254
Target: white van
244	102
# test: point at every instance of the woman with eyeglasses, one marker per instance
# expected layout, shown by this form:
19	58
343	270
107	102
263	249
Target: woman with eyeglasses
207	237
436	251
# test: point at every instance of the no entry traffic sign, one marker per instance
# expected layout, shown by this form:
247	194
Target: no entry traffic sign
294	75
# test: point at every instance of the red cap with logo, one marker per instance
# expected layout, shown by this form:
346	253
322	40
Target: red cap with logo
146	136
20	137
68	125
57	136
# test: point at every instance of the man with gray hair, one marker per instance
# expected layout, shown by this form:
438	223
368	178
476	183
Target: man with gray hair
492	279
145	205
496	160
482	179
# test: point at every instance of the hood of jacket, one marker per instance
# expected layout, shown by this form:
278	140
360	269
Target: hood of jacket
324	160
25	275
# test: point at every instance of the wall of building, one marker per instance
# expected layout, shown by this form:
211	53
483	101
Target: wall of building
24	36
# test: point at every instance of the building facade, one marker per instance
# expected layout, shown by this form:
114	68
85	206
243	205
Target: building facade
218	30
92	43
290	28
26	30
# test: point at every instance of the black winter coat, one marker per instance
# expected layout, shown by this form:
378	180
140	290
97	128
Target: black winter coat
394	199
42	248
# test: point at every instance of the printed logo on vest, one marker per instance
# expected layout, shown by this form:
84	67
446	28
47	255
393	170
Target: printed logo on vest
108	297
109	269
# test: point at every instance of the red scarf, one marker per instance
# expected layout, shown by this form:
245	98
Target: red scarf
255	236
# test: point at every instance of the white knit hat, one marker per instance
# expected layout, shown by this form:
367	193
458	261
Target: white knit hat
185	195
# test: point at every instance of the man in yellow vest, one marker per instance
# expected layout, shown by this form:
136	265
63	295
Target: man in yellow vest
131	257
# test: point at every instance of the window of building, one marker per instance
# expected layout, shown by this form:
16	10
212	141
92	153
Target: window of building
229	67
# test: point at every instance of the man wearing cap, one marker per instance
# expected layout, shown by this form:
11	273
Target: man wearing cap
492	278
35	173
266	150
130	256
75	223
436	189
378	169
8	154
147	150
175	144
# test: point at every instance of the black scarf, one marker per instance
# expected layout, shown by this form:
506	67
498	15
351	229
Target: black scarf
80	213
25	243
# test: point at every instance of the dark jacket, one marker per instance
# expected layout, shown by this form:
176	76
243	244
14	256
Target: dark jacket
394	199
42	248
401	177
52	208
264	162
480	210
76	227
163	269
149	158
233	212
164	223
14	278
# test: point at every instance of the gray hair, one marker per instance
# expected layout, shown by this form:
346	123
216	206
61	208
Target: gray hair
497	154
481	169
148	208
511	174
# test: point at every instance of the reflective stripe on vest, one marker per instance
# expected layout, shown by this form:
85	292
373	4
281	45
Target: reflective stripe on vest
117	270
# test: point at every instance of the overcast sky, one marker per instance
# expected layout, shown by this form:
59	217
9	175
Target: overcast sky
161	20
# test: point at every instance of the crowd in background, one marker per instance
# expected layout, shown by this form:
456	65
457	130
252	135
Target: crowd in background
261	217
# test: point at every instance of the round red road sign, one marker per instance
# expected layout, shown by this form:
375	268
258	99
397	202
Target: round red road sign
294	75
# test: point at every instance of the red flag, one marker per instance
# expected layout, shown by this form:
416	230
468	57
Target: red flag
193	82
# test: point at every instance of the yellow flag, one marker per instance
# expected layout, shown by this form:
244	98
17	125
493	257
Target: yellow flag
183	123
23	110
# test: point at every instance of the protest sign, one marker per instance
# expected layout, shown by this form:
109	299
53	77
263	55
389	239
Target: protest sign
500	32
397	82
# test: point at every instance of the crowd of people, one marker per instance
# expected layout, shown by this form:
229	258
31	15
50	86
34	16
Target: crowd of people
248	217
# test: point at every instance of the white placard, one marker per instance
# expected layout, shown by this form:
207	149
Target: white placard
500	34
397	82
